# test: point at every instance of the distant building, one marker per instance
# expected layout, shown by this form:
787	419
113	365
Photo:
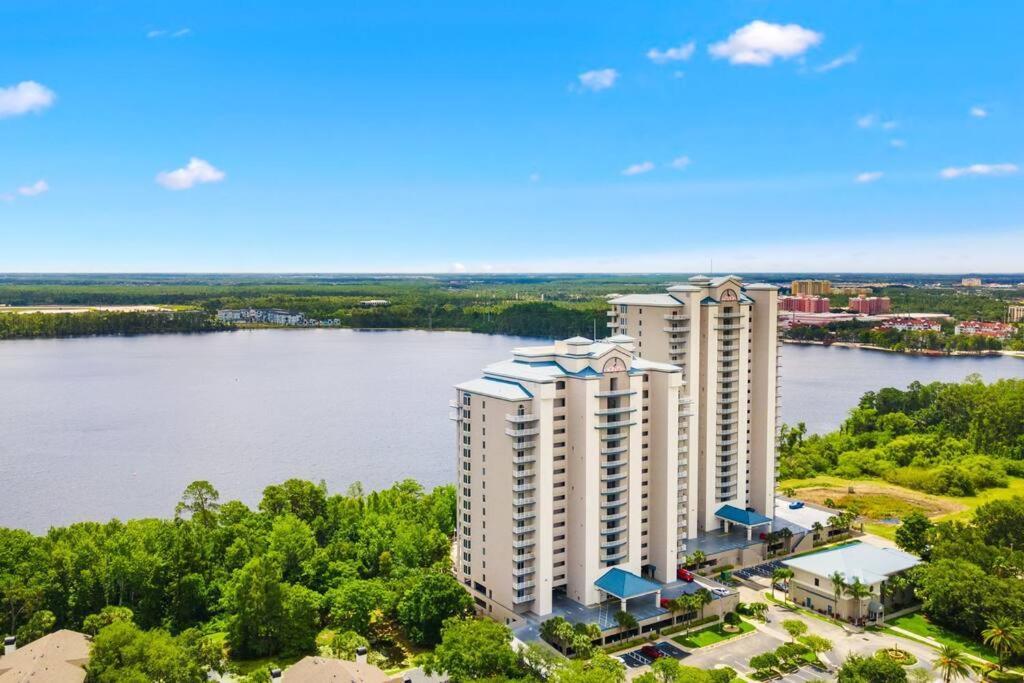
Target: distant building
811	586
794	318
1015	314
852	291
372	303
979	328
908	324
59	657
804	304
272	316
970	282
811	287
870	305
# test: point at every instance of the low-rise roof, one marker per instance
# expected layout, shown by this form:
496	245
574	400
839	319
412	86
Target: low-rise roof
863	561
623	584
59	657
324	670
490	386
647	300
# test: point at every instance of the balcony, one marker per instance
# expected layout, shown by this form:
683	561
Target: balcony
528	431
456	416
614	517
523	445
615	411
523	500
523	516
523	529
611	313
612	490
613	463
520	599
519	474
525	543
726	411
521	488
611	557
614	451
614	544
523	585
685	436
613	477
678	329
675	317
521	418
525	571
614	503
522	557
613	425
614	394
614	530
524	459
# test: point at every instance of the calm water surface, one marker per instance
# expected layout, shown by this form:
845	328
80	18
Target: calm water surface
103	427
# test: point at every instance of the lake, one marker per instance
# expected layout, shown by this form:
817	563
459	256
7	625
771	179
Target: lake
117	426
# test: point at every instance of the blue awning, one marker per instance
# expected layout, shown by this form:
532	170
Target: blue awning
624	585
744	517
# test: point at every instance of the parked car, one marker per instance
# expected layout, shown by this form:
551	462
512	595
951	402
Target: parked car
651	652
684	574
796	505
720	591
665	603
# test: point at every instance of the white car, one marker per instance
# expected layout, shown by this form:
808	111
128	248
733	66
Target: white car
722	592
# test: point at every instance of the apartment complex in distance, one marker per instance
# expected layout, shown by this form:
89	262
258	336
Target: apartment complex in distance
589	469
811	287
870	305
804	304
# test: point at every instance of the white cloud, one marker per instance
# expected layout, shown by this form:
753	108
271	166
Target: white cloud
680	163
840	61
36	188
457	267
868	177
25	97
978	112
759	43
638	169
978	169
872	120
897	143
162	33
598	79
196	172
672	54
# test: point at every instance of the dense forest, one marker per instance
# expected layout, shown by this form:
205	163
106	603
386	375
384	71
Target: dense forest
953	439
35	325
902	340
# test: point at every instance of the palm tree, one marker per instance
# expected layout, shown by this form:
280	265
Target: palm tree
1004	637
781	574
952	663
817	528
838	580
698	558
858	591
703	598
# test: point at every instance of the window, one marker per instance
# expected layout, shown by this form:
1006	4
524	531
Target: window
559	385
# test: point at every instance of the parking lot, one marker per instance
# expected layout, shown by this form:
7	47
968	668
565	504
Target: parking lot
764	570
634	659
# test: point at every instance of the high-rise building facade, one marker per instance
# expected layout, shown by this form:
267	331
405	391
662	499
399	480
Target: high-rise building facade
811	287
581	457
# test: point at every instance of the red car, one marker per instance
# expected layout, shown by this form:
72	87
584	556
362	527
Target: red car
664	603
684	574
651	652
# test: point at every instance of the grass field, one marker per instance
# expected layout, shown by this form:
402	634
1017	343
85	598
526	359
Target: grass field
878	502
917	623
711	635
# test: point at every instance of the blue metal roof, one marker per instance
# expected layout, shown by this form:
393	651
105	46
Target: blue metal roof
744	517
622	584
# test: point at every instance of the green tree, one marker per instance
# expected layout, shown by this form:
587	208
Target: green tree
858	591
38	625
293	541
122	653
795	628
359	605
429	601
199	503
345	643
857	669
913	534
952	663
626	621
472	649
255	598
105	617
300	619
666	669
701	599
779	575
817	644
764	662
600	668
1005	637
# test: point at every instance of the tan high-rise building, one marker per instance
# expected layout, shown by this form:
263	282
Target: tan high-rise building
584	459
811	287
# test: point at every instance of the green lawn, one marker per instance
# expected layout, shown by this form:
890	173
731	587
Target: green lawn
917	623
711	635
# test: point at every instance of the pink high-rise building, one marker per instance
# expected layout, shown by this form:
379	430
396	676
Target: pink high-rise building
804	304
870	305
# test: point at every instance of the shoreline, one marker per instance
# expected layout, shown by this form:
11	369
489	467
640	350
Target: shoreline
909	352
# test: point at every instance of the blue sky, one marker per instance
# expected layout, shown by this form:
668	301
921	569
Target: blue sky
526	136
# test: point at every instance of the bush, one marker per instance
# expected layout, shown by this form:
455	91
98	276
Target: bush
732	618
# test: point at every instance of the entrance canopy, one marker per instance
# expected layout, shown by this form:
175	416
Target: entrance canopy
730	514
623	585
